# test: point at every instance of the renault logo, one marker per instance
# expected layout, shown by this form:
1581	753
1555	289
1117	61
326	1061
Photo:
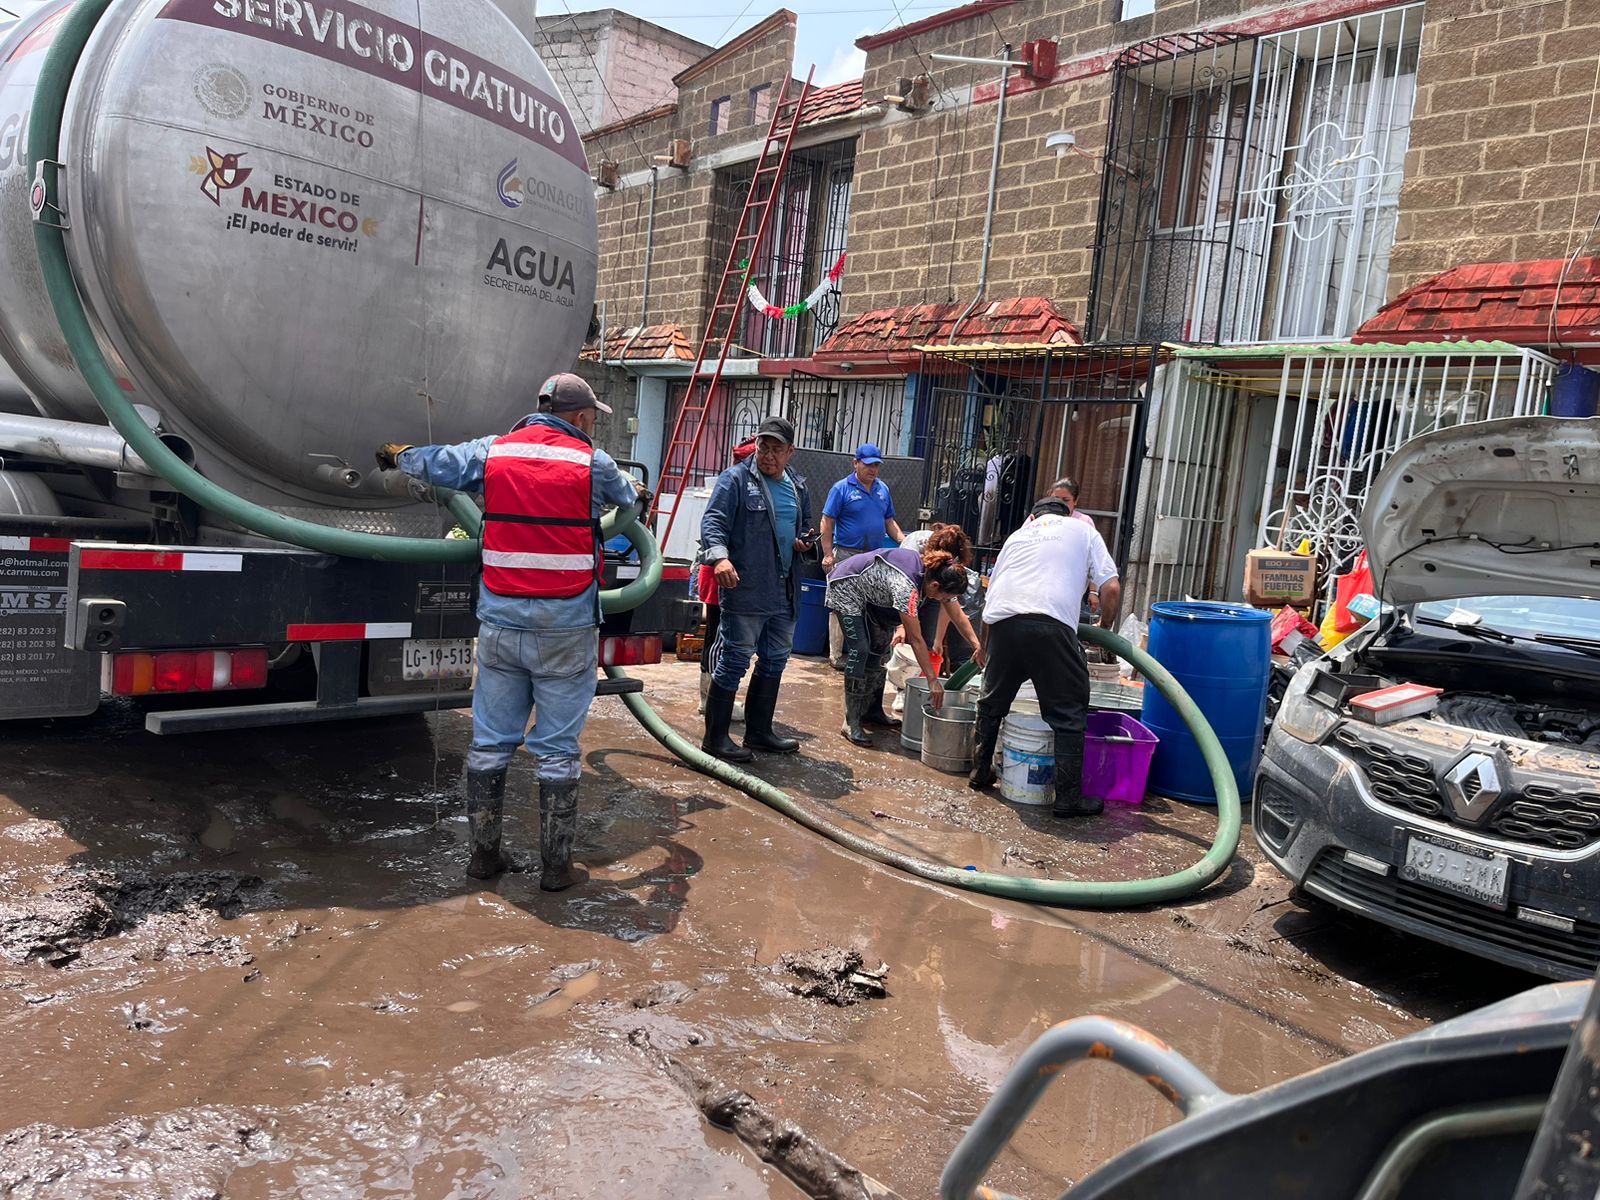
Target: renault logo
1473	785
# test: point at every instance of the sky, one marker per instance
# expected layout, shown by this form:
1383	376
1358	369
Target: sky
826	37
827	33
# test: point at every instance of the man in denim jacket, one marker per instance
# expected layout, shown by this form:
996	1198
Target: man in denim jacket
751	534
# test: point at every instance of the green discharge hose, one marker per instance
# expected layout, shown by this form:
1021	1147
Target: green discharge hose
44	145
1129	893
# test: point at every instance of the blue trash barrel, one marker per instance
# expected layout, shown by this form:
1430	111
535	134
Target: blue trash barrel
1222	655
811	628
1574	392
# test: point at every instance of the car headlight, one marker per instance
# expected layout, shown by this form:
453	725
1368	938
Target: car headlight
1299	715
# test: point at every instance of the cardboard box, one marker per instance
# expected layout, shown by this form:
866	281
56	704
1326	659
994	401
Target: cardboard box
1273	578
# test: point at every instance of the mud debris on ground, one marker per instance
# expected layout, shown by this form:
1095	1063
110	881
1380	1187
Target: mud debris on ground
835	974
812	1167
77	907
341	1012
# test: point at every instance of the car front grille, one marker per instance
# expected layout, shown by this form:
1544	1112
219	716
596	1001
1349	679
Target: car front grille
1537	814
1572	955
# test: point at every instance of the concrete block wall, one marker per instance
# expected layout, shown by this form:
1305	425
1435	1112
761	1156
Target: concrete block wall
1505	116
681	267
1503	111
635	59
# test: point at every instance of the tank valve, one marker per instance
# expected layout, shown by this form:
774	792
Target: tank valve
338	473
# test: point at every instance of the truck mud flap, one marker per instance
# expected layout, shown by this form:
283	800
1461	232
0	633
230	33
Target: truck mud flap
40	676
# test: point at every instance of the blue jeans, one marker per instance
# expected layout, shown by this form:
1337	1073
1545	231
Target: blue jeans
548	672
739	636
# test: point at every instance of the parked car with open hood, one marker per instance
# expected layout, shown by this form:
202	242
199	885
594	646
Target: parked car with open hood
1476	824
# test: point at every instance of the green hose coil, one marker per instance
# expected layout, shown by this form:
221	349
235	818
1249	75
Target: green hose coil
1130	893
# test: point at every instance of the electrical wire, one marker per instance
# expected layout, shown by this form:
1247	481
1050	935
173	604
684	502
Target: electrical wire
1552	328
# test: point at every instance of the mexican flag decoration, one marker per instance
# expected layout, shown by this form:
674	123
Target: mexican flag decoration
761	305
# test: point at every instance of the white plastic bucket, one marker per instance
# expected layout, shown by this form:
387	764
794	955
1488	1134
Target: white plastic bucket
1027	760
1027	701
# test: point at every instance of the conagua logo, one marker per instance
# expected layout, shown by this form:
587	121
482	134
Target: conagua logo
222	173
509	185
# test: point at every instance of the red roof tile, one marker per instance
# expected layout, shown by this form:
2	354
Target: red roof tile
824	104
1509	301
662	343
1020	320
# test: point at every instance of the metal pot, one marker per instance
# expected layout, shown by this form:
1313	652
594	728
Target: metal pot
947	735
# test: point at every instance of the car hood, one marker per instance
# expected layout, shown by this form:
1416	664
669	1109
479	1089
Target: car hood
1509	507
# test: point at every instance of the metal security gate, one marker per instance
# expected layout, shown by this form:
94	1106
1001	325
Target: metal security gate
1251	186
1300	431
998	425
736	410
1341	415
1194	487
841	414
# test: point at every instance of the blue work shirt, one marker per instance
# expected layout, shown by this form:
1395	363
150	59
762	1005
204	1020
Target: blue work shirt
785	517
860	514
460	468
740	525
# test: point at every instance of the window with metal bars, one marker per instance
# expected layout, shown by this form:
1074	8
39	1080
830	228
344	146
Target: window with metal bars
736	409
1251	186
805	238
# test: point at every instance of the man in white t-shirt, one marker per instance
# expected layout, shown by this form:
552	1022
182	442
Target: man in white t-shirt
1030	621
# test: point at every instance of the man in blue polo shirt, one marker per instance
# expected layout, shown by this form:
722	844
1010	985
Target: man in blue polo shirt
856	517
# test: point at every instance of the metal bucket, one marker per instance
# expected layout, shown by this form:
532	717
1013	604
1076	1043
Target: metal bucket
917	698
947	735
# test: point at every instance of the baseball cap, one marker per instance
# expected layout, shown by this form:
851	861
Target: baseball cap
568	393
777	428
868	453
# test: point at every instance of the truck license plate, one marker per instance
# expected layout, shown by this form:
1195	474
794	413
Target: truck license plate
1478	875
436	658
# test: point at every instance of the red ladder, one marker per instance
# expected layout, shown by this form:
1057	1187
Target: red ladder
722	319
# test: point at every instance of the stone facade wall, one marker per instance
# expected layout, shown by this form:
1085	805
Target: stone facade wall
1499	138
1504	119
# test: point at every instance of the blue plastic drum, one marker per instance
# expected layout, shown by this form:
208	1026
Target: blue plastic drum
811	627
1222	655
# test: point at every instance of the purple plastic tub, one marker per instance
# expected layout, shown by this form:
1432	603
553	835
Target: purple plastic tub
1117	770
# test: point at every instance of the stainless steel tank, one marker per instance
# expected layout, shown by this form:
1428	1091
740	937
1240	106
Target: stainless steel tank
302	227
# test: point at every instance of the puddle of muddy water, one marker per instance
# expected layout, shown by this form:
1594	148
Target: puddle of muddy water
369	1019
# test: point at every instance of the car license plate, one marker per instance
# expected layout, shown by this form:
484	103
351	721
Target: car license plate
436	658
1476	874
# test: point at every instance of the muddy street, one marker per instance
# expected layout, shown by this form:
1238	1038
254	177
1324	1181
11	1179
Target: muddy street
250	965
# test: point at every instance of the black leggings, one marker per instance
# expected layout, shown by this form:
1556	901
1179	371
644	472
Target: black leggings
866	639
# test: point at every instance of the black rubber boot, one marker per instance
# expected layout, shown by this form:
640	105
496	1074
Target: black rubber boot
877	679
984	735
760	702
558	829
486	792
1070	800
855	705
719	715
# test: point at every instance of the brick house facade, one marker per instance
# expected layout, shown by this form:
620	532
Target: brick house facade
1237	172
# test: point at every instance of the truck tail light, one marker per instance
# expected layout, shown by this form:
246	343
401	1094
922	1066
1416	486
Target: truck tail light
136	673
631	650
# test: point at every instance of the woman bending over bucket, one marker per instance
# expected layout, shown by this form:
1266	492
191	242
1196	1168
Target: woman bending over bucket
873	593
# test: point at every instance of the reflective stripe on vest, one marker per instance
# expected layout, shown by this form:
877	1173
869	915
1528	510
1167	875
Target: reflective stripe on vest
540	538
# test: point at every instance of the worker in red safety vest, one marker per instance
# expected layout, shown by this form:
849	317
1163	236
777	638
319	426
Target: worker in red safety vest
544	487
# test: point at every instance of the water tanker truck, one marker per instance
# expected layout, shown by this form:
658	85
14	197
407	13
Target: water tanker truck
290	230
